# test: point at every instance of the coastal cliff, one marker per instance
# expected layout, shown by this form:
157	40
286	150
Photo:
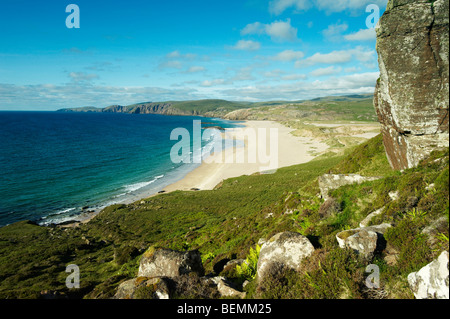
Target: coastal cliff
146	108
411	96
208	108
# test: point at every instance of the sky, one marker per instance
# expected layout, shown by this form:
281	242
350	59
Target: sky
134	51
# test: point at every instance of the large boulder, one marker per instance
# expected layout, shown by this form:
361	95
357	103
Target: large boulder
431	281
170	263
411	96
286	249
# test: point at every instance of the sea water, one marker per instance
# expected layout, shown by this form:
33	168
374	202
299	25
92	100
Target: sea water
55	166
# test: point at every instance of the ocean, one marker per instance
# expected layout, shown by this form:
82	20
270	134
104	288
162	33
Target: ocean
54	167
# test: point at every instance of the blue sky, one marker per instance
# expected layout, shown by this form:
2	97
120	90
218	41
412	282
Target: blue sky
134	51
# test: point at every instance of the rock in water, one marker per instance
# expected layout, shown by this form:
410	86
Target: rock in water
431	281
411	97
286	249
170	263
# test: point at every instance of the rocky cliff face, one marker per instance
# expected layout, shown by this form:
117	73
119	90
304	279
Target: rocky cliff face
146	108
411	96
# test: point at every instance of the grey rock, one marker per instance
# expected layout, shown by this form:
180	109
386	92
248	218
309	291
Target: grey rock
170	263
431	281
364	240
329	182
129	288
434	229
369	217
411	95
226	288
287	249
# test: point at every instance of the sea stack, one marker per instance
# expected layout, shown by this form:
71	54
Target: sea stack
412	93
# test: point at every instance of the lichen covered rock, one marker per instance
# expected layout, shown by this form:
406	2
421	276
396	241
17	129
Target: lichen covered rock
286	249
365	240
170	263
411	97
431	281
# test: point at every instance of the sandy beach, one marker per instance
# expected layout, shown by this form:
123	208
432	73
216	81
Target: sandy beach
289	149
284	149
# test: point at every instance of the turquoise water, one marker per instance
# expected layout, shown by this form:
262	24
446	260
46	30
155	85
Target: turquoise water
52	165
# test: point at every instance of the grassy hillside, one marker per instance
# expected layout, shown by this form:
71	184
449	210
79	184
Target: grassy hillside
205	106
227	222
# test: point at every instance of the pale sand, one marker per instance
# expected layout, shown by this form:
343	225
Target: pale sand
292	150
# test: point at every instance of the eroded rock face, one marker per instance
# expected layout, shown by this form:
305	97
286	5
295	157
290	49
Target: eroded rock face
411	96
286	249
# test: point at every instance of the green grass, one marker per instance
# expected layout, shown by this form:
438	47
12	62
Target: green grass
226	222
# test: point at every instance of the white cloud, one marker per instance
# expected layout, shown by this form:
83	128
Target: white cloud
52	97
273	73
348	84
253	28
172	64
279	31
294	77
351	69
289	55
81	77
195	69
325	71
178	55
175	60
282	31
335	57
247	45
277	7
362	35
334	31
338	57
243	74
330	6
209	83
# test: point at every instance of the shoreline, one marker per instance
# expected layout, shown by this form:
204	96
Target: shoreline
291	150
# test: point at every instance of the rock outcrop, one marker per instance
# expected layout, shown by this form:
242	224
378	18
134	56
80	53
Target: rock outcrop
431	281
411	97
328	182
286	249
146	108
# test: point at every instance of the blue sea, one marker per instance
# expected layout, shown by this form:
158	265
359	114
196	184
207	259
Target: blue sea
56	166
